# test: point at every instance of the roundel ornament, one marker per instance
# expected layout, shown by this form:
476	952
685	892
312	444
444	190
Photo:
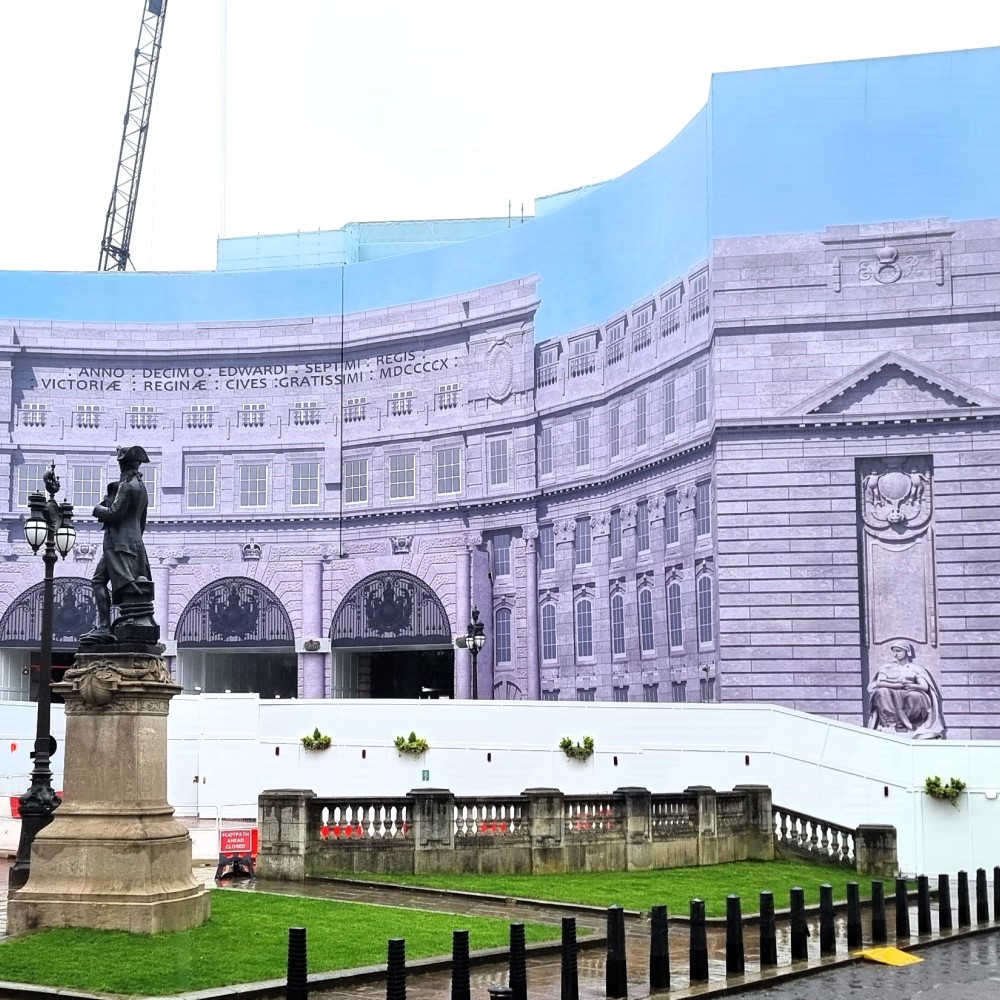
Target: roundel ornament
501	372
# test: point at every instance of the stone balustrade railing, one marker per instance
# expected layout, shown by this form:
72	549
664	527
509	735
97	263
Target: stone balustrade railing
868	848
540	830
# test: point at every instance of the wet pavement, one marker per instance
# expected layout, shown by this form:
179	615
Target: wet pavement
965	969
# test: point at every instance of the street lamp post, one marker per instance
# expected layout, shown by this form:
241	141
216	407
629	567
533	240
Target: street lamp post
50	528
475	639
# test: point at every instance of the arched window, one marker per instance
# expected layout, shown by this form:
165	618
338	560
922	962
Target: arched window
501	636
646	620
706	631
584	629
548	632
674	626
617	625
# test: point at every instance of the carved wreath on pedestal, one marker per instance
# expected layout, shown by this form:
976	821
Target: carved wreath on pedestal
98	681
897	496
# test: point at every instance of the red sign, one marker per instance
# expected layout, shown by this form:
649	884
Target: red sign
238	842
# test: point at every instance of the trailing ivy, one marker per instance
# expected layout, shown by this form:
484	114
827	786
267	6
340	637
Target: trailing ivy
949	792
577	751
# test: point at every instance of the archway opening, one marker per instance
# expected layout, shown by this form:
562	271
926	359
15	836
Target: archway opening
236	637
391	638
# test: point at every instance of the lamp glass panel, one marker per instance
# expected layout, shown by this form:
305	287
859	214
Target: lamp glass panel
35	530
65	537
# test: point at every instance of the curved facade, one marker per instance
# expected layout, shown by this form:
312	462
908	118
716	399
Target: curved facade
704	462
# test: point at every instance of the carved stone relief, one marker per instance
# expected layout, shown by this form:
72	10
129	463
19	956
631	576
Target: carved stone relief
900	650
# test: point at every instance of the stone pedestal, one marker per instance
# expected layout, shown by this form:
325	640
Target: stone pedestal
113	857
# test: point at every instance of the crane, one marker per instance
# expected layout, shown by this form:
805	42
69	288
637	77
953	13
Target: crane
121	211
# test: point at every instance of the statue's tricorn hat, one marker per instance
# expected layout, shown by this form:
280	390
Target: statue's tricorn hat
136	454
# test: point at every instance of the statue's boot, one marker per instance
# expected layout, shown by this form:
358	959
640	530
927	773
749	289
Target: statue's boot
102	632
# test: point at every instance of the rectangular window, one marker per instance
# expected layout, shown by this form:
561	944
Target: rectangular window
670	320
615	348
305	484
619	694
640	420
703	509
550	696
499	463
617	625
34	414
200	416
706	622
142	417
305	412
253	485
671	520
546	546
151	477
548	617
646	620
700	394
650	692
678	691
252	414
501	554
698	287
615	429
642	526
669	408
88	485
501	636
584	629
355	409
707	689
402	477
581	438
29	480
447	396
581	547
546	456
88	415
355	484
586	694
615	537
581	356
675	627
200	491
401	403
449	471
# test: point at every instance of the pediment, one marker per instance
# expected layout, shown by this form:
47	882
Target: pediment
892	383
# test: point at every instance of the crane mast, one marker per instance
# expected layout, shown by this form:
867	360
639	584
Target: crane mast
121	211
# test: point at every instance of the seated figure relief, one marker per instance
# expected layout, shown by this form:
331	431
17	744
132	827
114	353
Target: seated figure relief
905	697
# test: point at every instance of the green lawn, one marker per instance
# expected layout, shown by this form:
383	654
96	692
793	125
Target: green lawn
245	941
675	887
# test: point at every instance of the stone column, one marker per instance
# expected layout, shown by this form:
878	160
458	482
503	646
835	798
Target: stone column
312	682
632	667
652	673
638	808
601	556
161	605
564	533
283	822
760	822
482	598
463	608
546	818
874	850
708	827
534	685
113	857
433	830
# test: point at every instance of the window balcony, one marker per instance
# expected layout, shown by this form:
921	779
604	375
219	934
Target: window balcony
582	364
642	337
699	306
670	322
546	375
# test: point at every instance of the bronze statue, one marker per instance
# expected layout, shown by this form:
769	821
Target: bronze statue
124	563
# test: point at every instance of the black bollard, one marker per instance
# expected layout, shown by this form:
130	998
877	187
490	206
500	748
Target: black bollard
800	929
854	934
964	916
827	931
996	894
982	898
735	956
659	949
880	930
699	943
944	903
902	910
768	932
518	975
395	979
923	906
460	988
498	991
297	983
615	972
569	982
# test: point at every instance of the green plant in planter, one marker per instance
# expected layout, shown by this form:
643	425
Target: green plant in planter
577	751
316	740
412	744
949	792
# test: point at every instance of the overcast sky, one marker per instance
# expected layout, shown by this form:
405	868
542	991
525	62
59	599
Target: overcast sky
337	111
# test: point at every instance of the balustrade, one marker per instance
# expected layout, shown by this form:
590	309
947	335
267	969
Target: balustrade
810	837
476	817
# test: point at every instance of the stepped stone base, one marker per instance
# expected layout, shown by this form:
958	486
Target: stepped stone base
113	857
